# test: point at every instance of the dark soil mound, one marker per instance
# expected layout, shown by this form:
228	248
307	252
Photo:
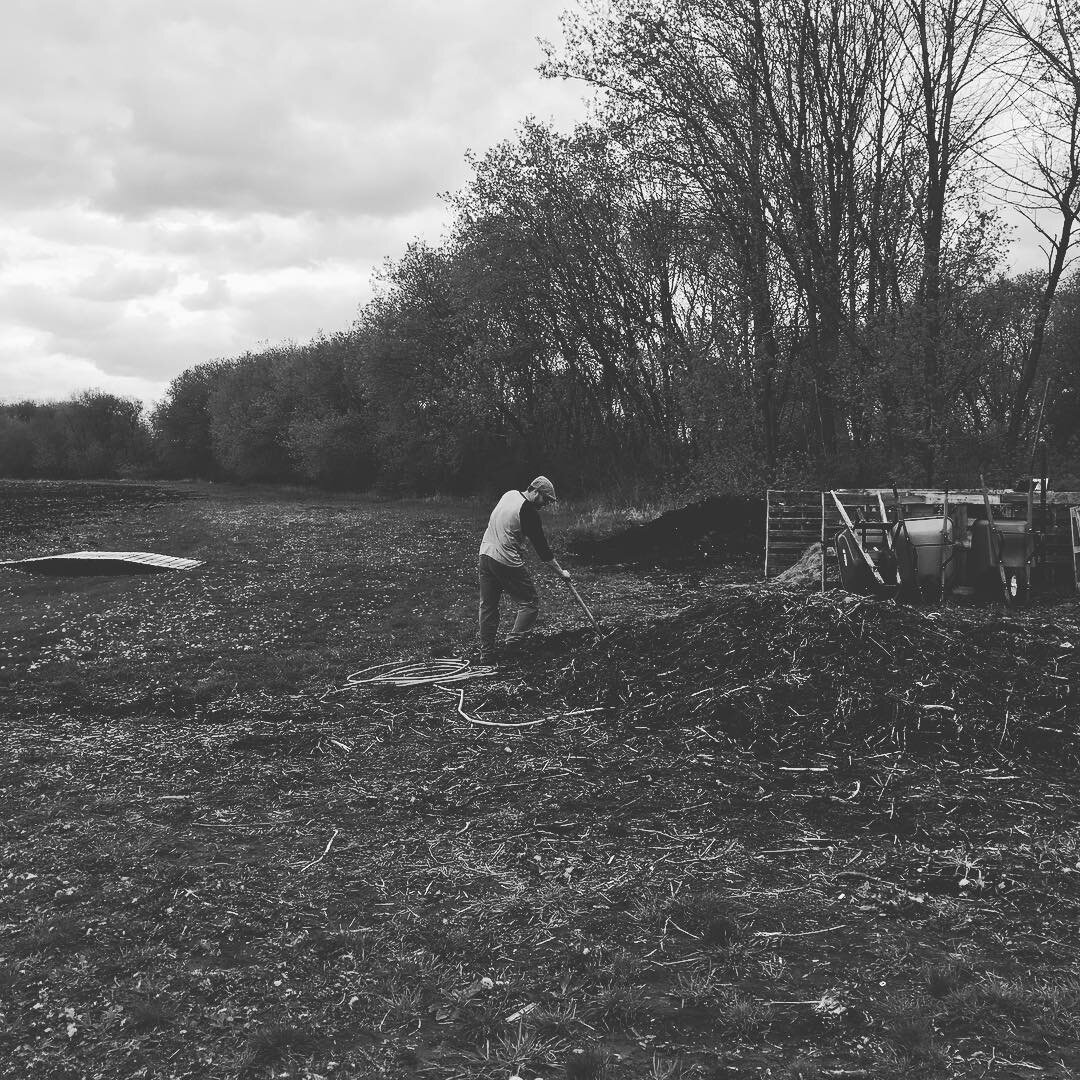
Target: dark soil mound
786	673
704	532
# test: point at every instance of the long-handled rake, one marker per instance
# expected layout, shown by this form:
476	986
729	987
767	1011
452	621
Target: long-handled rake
584	607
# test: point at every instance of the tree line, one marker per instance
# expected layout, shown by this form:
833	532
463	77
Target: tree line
771	257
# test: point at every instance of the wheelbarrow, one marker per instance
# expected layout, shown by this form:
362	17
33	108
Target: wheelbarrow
859	572
923	547
1001	555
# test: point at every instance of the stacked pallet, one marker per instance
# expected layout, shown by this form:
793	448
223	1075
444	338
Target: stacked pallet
793	521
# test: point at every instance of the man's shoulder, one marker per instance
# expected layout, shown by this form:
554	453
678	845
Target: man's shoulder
531	516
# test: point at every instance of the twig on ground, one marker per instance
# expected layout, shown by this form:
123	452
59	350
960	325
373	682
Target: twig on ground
326	851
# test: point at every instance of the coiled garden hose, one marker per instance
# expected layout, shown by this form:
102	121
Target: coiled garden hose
417	673
435	673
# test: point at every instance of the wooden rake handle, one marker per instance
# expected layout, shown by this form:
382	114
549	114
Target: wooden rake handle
577	597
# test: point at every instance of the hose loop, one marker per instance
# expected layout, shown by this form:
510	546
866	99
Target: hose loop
417	673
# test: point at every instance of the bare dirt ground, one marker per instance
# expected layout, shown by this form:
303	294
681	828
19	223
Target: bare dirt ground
757	833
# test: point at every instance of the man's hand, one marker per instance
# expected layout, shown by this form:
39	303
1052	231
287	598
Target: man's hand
564	574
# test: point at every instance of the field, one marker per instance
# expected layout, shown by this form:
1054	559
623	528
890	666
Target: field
757	833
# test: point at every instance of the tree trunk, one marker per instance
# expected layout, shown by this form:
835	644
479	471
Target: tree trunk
1030	368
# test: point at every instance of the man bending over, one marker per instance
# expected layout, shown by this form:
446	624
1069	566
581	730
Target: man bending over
502	562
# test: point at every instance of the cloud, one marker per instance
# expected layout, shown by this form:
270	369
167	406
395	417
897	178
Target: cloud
183	182
215	295
231	106
55	312
111	282
223	244
146	341
55	377
269	307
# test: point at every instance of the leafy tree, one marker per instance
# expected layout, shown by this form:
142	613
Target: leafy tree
91	435
329	439
16	445
1063	404
333	451
575	263
180	423
412	363
249	410
106	434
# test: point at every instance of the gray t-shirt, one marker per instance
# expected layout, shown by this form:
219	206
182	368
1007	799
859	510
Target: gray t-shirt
514	520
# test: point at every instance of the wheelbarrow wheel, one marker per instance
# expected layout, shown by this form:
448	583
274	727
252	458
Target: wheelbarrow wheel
1018	582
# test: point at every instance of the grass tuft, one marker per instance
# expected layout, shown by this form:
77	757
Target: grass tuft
272	1043
60	935
147	1012
591	1062
618	1003
742	1014
661	1068
699	989
708	915
913	1035
946	978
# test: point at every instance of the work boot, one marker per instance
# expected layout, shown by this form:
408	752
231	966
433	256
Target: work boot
515	648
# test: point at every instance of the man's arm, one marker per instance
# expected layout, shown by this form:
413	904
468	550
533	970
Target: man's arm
532	527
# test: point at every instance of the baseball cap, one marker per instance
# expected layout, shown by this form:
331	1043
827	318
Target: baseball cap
546	488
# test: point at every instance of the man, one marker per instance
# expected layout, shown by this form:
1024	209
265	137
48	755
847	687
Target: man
502	561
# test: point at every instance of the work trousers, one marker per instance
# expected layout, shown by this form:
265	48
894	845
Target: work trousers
495	579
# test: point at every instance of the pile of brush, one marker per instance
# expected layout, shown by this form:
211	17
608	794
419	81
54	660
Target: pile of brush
782	671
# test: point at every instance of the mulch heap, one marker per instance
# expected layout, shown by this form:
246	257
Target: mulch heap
782	672
706	531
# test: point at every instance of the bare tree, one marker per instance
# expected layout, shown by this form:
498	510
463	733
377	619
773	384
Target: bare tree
1047	173
954	59
772	111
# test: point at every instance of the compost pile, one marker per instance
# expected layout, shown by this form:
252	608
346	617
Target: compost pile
783	673
706	531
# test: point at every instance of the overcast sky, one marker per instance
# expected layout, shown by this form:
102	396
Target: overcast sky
189	179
